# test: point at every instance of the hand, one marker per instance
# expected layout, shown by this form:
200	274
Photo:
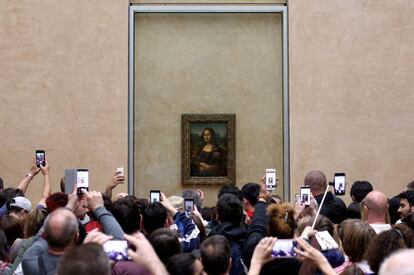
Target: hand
201	194
263	179
262	254
306	253
264	193
204	167
73	201
34	169
98	237
117	179
302	210
263	251
45	169
166	203
197	213
94	200
299	208
308	232
144	254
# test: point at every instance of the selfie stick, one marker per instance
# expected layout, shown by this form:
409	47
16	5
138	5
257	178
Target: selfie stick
320	207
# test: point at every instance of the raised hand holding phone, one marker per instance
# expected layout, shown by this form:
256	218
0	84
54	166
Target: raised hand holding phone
270	180
189	206
82	181
305	195
339	184
155	196
40	158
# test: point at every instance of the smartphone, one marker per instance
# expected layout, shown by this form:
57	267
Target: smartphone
40	158
305	195
271	179
70	180
82	180
284	248
339	184
188	206
116	250
155	195
120	171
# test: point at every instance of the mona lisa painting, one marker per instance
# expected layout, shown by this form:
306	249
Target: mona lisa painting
208	148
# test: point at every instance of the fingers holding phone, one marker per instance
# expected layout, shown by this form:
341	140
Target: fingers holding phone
82	181
40	158
339	184
155	196
45	168
118	177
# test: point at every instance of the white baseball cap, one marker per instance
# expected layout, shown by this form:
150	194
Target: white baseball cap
21	202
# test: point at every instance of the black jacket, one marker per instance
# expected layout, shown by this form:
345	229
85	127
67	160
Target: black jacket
333	207
236	235
257	231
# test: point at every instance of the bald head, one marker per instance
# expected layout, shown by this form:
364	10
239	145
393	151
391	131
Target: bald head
398	263
316	180
376	204
61	228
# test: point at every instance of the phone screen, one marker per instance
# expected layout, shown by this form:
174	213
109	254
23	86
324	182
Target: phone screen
155	196
82	180
40	158
284	248
116	250
188	206
271	179
339	184
305	195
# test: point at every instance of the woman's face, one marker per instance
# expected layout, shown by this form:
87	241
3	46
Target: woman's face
207	136
198	268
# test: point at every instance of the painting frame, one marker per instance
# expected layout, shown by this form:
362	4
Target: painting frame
189	125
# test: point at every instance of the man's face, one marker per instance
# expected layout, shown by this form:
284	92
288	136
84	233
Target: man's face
404	208
81	209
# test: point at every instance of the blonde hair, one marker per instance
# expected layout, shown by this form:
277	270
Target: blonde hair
34	222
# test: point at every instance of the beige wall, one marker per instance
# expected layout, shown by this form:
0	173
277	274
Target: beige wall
351	90
207	63
63	88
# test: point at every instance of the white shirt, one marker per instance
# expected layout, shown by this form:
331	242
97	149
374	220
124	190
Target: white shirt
380	227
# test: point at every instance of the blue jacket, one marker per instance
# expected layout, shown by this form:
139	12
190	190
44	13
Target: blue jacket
188	233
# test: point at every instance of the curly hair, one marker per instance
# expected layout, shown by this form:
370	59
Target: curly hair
281	221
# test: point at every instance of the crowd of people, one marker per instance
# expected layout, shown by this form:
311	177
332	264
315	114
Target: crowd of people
248	231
